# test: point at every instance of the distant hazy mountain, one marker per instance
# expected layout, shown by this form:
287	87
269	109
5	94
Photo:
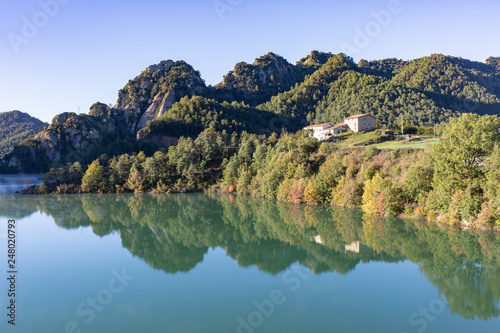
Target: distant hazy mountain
170	99
15	126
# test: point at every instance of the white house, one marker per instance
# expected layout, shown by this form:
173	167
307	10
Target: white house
361	123
336	129
325	131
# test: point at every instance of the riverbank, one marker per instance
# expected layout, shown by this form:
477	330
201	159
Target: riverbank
455	181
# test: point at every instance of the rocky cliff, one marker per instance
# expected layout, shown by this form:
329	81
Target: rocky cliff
154	91
71	137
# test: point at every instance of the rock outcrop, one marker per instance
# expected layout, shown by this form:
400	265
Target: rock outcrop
16	126
155	90
256	83
71	137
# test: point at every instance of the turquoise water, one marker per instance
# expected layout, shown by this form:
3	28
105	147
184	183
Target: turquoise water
207	263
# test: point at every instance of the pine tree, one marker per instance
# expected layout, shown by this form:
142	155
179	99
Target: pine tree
135	181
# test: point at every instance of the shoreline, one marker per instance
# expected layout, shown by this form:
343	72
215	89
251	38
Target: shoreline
463	225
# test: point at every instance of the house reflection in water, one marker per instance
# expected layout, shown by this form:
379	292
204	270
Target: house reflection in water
318	240
354	247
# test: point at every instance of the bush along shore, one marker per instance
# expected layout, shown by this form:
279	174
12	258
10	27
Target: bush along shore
456	181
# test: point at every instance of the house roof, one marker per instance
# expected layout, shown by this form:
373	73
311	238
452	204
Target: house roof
359	116
338	126
319	125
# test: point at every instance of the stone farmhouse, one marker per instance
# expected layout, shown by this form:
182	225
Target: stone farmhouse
357	123
361	123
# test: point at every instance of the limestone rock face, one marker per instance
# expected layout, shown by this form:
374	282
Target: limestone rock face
71	137
13	162
127	96
68	138
61	118
153	93
161	104
167	103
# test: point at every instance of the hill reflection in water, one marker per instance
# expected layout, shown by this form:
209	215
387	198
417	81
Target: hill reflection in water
173	233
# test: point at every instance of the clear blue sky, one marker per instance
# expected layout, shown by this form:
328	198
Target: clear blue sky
88	49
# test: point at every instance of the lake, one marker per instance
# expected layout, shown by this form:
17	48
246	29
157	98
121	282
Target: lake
10	184
210	263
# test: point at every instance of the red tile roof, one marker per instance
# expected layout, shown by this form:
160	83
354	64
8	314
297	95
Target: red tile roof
319	125
338	126
359	116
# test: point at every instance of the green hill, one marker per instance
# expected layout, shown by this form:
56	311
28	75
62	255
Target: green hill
269	75
424	91
16	126
170	99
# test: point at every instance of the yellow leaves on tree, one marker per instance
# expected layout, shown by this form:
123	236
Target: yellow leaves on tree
374	196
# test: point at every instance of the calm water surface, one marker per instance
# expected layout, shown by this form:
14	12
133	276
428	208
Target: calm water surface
206	263
10	184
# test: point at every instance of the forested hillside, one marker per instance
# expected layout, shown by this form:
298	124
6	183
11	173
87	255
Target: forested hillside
170	99
455	181
191	116
15	126
424	92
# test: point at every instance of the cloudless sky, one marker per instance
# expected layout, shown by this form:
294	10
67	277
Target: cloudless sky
89	49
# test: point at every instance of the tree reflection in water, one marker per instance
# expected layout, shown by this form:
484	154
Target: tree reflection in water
174	232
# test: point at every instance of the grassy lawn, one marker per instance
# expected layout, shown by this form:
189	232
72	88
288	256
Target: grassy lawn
351	139
413	143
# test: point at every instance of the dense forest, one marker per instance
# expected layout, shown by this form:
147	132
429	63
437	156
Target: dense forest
170	99
455	181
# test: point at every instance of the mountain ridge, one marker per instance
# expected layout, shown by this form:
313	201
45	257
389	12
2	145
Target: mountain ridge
17	126
170	99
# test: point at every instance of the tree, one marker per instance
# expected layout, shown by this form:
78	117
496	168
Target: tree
311	195
460	155
244	180
492	184
328	176
418	182
135	181
75	172
380	197
347	193
93	180
150	170
297	191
